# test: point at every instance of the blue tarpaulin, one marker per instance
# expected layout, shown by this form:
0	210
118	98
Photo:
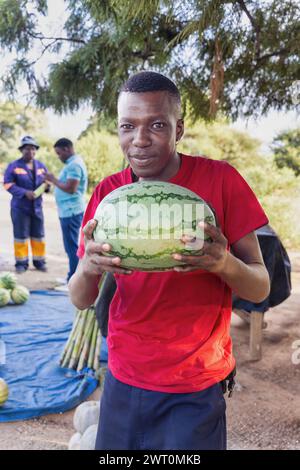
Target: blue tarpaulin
34	335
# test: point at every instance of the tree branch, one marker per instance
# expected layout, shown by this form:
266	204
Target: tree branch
272	54
255	27
41	37
42	53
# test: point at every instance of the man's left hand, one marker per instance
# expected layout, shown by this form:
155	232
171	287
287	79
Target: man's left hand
213	255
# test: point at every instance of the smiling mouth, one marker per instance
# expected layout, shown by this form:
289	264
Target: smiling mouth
141	161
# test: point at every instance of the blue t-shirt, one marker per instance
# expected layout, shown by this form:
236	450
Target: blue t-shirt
72	204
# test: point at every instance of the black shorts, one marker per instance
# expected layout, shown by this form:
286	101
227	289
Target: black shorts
133	418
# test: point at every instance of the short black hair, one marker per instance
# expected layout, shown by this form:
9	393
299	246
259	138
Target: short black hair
146	81
61	143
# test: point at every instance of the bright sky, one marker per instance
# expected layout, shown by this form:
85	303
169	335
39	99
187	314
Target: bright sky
266	128
68	125
71	125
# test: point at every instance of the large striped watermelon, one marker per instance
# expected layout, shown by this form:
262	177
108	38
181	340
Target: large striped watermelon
144	221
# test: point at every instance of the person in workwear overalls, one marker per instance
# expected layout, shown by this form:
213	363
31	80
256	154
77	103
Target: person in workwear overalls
22	177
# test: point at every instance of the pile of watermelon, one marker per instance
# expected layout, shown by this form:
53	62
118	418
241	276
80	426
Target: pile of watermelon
10	291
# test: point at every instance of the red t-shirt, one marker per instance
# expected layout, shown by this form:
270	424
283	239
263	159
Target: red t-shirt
170	331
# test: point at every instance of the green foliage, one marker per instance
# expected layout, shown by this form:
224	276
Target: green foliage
101	153
47	155
286	148
279	193
15	122
108	40
221	142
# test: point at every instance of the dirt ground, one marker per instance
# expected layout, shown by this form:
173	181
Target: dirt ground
264	412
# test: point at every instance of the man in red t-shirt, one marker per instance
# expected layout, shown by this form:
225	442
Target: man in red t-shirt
169	345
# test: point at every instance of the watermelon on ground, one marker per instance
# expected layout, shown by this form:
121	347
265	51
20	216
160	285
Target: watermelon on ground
3	391
144	222
4	297
8	280
20	295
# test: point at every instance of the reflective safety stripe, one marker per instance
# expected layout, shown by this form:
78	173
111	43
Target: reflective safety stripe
8	186
38	258
21	240
20	171
21	249
38	248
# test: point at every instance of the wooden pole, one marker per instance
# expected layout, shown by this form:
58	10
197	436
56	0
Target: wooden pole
256	327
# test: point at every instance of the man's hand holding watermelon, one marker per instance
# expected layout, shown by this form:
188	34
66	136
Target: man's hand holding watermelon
94	262
214	256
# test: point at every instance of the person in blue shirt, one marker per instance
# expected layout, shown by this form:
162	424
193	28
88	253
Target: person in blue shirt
21	178
70	188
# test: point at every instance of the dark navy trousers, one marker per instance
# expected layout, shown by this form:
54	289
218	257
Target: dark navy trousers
27	227
132	418
70	227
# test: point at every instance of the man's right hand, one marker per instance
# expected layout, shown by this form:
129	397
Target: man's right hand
30	195
93	261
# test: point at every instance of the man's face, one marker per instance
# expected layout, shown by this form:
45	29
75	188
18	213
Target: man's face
149	125
28	152
63	153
